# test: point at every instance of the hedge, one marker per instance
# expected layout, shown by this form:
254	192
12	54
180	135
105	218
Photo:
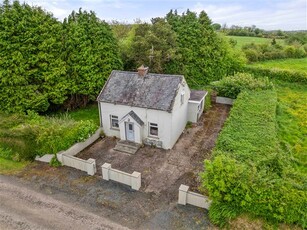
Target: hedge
249	173
279	74
231	86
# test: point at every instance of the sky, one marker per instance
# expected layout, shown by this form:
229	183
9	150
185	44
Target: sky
265	14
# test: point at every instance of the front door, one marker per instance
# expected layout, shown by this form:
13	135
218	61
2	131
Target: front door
129	131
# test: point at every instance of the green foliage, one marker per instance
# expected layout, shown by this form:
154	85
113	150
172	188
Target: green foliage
260	52
55	162
231	86
45	62
27	136
32	73
278	74
204	55
298	37
189	125
91	53
249	172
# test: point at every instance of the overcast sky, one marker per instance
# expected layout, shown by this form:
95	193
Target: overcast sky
265	14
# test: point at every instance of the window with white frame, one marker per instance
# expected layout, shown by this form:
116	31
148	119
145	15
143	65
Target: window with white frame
114	122
153	129
182	97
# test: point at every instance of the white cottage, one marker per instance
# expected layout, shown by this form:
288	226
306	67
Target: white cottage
141	107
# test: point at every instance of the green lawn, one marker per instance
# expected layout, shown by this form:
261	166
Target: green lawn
292	121
241	41
288	64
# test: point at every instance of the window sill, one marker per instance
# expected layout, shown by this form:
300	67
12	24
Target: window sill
116	129
153	137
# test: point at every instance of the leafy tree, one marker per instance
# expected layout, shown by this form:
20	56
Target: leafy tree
154	45
32	72
216	26
91	53
205	55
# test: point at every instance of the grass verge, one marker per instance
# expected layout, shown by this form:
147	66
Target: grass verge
9	167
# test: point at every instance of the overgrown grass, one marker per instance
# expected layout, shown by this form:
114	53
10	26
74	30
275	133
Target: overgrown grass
9	167
292	121
249	172
241	41
22	137
88	113
286	64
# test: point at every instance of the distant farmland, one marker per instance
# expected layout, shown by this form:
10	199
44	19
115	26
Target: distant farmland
241	41
289	64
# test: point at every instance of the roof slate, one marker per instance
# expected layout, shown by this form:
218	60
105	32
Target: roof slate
154	91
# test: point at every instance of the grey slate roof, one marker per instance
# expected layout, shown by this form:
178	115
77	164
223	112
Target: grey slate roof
197	95
154	91
134	116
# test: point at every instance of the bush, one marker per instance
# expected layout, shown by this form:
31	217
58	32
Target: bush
279	74
249	173
231	86
31	135
261	52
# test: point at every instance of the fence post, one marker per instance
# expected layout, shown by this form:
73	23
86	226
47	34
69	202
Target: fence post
105	171
136	180
182	197
91	166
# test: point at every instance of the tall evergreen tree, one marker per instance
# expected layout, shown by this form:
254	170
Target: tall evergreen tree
91	53
204	55
32	72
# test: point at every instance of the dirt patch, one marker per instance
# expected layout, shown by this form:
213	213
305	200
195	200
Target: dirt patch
162	169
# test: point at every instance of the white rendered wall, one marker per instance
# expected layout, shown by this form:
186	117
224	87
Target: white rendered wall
180	113
192	111
162	118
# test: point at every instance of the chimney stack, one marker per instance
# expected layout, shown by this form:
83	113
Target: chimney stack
142	71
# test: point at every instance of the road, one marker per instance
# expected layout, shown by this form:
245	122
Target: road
23	208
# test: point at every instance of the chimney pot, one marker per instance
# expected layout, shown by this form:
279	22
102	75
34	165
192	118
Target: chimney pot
142	70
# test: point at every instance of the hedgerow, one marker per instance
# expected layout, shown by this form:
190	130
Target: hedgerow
25	136
249	173
279	74
231	86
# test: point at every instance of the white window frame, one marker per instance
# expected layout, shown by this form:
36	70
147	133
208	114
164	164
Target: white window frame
153	125
114	117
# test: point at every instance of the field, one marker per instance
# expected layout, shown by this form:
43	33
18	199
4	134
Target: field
241	41
292	123
287	64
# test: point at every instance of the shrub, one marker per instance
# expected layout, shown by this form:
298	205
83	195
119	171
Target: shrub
279	74
249	173
231	86
27	136
55	162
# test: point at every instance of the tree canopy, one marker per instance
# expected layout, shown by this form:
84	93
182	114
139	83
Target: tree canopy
45	62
